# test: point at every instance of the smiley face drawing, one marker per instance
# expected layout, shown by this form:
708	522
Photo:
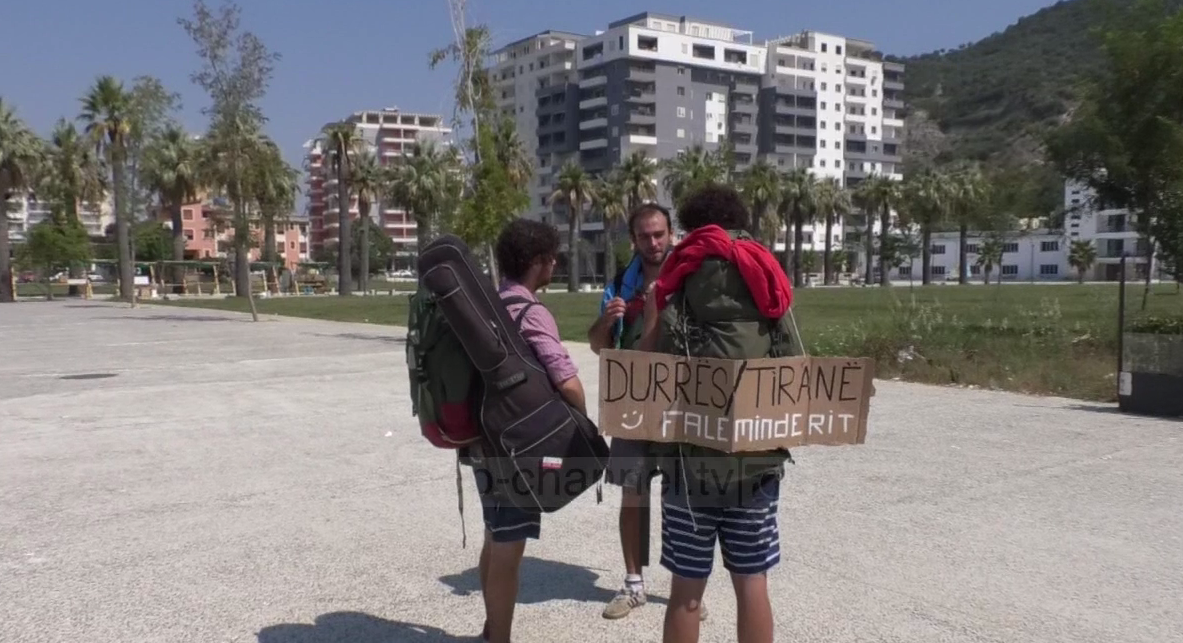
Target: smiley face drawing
638	419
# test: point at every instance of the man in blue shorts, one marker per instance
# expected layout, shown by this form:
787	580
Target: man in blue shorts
525	253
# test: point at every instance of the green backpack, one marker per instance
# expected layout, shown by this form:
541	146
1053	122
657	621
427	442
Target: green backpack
444	382
714	315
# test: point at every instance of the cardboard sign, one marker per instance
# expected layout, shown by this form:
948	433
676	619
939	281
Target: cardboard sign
735	405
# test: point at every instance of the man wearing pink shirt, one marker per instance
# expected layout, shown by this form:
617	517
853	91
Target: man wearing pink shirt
525	253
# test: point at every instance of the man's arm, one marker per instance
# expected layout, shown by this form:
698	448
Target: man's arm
648	341
599	336
572	391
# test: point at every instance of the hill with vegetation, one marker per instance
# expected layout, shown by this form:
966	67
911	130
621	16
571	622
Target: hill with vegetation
994	99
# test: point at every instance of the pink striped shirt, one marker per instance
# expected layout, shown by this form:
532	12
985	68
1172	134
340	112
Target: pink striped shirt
542	334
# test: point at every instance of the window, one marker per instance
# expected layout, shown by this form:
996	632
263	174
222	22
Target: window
938	271
615	109
681	112
838	49
1010	247
1049	269
837	107
682	70
823	47
615	131
905	271
971	248
1049	246
681	133
681	91
823	87
187	214
1010	270
823	107
938	250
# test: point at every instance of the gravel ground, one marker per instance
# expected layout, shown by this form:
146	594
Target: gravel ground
230	481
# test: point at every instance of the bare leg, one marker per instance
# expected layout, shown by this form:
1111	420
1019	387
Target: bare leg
501	588
682	614
484	574
753	608
630	529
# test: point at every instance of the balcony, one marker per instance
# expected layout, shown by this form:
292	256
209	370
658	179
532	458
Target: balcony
642	139
893	103
641	115
593	81
593	123
744	104
596	101
643	73
593	144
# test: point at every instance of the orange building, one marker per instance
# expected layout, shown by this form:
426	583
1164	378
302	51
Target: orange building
208	235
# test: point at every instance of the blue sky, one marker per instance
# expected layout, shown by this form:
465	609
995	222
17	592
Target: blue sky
344	55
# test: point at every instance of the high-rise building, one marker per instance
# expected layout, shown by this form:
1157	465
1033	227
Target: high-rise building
534	81
661	84
391	134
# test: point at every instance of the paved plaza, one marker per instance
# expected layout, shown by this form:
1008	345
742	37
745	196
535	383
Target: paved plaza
173	475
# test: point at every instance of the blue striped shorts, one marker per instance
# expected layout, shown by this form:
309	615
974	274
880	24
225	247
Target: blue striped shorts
748	534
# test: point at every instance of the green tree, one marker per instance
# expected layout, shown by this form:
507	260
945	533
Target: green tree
20	155
610	196
344	144
1081	256
236	71
367	181
798	206
878	194
692	168
151	109
967	198
73	177
925	205
832	202
420	184
106	114
638	173
57	242
990	255
274	185
1126	141
171	167
574	188
760	187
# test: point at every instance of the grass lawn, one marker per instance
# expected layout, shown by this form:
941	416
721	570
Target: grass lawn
1046	339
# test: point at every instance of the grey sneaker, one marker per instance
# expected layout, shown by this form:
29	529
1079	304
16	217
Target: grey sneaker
623	603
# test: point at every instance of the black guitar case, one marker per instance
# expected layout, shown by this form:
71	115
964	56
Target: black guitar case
539	452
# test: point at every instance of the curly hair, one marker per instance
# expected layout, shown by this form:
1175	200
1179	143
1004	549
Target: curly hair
716	204
522	243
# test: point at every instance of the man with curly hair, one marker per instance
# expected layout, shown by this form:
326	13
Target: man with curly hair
525	252
731	289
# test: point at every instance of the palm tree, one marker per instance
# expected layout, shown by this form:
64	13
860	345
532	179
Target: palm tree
367	181
106	115
989	255
511	153
420	185
967	192
343	143
233	147
609	195
274	187
760	187
74	175
691	169
171	171
638	174
926	200
20	153
574	187
797	207
877	195
1081	256
832	202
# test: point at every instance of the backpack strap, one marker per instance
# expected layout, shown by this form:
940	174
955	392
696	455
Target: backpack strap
527	304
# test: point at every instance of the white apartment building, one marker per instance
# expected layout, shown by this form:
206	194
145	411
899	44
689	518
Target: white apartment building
662	83
27	211
1027	256
390	134
1110	230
